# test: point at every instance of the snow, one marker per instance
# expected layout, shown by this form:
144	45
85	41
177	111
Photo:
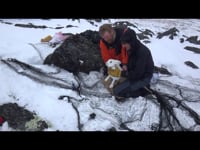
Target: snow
43	99
173	57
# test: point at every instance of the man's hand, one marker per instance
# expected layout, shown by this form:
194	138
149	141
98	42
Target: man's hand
124	68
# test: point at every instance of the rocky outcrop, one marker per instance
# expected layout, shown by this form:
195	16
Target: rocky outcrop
162	70
78	53
171	33
194	40
30	25
17	117
123	24
92	36
70	26
191	64
193	49
145	34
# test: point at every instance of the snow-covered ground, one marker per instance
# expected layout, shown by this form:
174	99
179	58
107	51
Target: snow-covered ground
43	99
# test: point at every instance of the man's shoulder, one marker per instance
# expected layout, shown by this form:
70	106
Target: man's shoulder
143	49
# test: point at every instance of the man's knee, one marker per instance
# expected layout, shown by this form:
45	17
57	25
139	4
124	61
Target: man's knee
121	89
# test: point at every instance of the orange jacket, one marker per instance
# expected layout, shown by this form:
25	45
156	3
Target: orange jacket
111	54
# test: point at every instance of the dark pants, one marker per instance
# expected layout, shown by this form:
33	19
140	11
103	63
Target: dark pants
132	89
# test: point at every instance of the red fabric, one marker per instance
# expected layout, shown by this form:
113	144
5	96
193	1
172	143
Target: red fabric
110	54
1	120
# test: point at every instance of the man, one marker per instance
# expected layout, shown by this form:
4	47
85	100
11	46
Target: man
110	45
139	69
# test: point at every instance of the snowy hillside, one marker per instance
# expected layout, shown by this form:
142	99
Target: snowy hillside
48	91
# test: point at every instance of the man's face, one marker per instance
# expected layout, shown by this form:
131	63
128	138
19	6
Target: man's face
127	46
108	36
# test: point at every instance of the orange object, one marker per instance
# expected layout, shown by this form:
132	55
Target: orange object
46	39
110	54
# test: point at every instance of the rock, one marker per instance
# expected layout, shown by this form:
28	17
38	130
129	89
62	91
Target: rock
146	41
78	53
91	35
8	23
59	27
141	36
171	33
112	129
36	124
91	22
193	39
96	20
181	40
123	24
193	49
145	34
5	22
92	116
69	26
17	117
30	25
191	64
162	70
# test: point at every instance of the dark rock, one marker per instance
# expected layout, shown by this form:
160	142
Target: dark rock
181	40
15	115
146	33
94	20
91	22
78	53
8	23
191	64
69	26
193	49
171	33
111	129
123	24
162	70
41	125
98	20
30	25
92	116
91	35
49	58
146	41
141	36
59	27
155	127
193	39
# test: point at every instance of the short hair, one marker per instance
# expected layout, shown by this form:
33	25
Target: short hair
105	28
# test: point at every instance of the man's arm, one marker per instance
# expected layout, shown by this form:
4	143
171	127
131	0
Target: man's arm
104	52
139	69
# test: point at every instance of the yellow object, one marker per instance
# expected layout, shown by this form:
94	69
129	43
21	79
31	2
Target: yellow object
46	39
114	72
